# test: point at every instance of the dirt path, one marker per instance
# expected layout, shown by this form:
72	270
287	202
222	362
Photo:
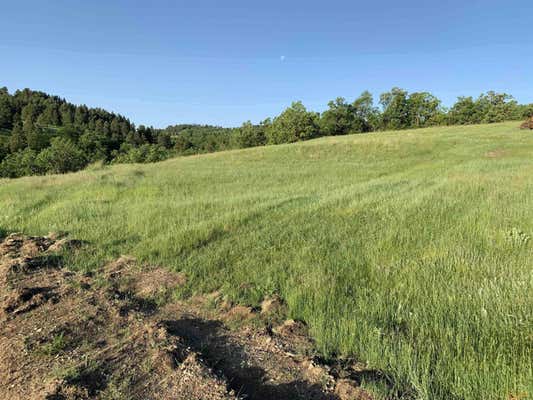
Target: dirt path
116	334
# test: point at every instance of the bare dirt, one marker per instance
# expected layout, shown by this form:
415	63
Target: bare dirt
118	333
498	153
528	124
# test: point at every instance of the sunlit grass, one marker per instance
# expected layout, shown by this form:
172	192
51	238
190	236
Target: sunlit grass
408	250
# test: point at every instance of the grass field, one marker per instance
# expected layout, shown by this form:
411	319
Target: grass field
409	250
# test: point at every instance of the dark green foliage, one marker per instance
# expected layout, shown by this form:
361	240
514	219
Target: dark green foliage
143	154
195	139
498	107
396	113
424	109
6	109
292	125
30	121
464	111
95	146
62	156
19	164
249	135
342	118
17	141
366	114
164	140
526	111
37	138
487	108
3	151
66	112
338	119
50	115
81	115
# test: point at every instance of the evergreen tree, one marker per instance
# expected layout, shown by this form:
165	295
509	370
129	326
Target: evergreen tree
6	110
66	112
17	140
81	115
164	140
49	116
35	138
29	113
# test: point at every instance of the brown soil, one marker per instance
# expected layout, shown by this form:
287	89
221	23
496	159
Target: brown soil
527	124
498	153
117	334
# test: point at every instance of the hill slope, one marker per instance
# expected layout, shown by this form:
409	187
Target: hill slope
410	250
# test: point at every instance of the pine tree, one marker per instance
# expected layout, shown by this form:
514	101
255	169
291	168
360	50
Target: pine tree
81	115
17	141
67	114
6	110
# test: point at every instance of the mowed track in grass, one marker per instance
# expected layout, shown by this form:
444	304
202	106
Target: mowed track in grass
408	250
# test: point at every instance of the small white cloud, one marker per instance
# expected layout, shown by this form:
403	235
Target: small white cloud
282	58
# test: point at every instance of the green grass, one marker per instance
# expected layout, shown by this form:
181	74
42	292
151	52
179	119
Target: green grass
408	250
55	346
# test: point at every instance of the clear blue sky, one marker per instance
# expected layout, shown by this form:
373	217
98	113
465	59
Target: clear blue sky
223	62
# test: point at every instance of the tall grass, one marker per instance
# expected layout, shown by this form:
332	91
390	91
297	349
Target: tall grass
408	250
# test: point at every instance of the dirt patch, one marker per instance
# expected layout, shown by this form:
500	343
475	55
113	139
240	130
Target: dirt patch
272	305
498	153
117	334
347	390
142	281
527	124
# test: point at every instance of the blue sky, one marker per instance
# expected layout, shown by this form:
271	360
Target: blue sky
224	62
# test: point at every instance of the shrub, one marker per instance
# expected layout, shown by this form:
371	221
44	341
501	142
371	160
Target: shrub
249	135
18	164
143	154
95	145
62	156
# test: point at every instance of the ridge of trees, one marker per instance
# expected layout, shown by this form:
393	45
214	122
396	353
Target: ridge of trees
41	133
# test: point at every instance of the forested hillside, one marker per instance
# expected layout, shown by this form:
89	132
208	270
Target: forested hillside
41	134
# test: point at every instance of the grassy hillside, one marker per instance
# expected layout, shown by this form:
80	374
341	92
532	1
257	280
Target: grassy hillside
409	250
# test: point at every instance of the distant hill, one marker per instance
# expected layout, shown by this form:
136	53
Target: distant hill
41	133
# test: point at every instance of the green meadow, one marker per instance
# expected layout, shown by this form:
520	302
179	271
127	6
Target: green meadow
410	251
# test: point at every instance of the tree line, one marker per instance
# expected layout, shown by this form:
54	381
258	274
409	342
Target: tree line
41	134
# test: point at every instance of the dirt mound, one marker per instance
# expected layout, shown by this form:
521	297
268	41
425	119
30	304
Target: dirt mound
527	124
116	334
66	336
